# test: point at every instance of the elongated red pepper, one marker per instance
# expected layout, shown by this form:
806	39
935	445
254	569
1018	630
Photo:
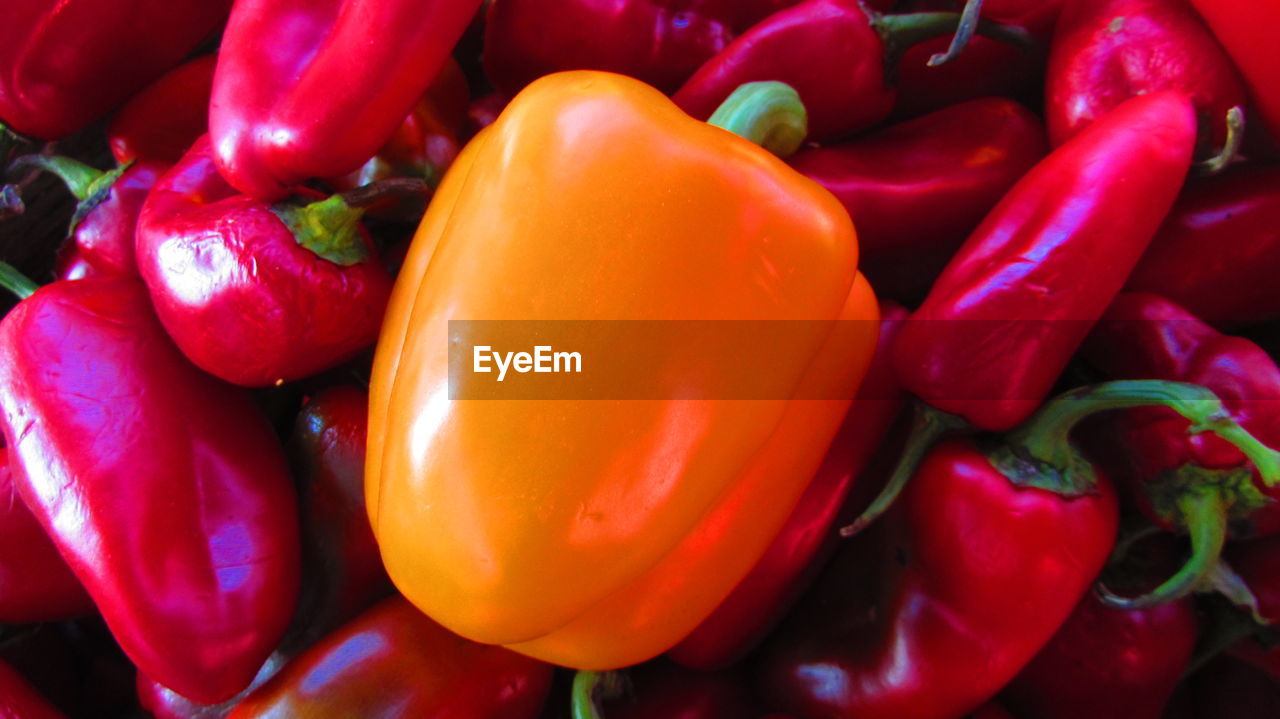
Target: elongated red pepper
1107	51
1194	483
163	488
848	91
394	662
35	584
19	701
1219	249
65	63
1243	28
916	190
165	703
274	117
254	293
161	122
793	558
1019	297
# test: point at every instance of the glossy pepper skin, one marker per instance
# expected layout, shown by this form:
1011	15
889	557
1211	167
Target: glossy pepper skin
394	662
588	569
101	242
917	189
274	117
1107	51
1218	249
1242	28
238	293
164	120
1019	297
35	584
19	701
809	536
63	64
164	703
661	42
163	488
966	564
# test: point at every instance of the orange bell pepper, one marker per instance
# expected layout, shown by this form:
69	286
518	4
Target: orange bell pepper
596	534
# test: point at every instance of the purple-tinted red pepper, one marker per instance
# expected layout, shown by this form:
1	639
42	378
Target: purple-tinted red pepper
161	122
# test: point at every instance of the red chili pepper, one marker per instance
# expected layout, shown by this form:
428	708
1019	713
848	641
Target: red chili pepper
1243	28
916	190
1019	297
847	90
161	122
795	555
1219	249
394	662
1196	483
19	701
274	117
1107	51
253	293
1108	663
35	584
64	64
163	488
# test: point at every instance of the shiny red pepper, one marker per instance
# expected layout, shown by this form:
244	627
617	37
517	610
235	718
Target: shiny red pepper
165	703
35	584
797	552
19	701
1196	483
846	90
275	118
1219	249
65	63
1107	51
1244	29
161	122
164	488
393	662
1019	297
916	190
254	293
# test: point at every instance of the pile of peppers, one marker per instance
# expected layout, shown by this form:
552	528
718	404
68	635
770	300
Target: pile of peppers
928	359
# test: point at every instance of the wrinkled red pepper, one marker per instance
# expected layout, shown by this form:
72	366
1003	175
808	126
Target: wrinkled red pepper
35	584
394	662
1019	297
847	90
274	117
1195	483
161	122
163	488
917	189
65	63
19	701
1107	51
254	293
1244	29
1218	251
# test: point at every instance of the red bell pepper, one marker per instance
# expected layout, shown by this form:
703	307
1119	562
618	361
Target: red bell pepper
274	117
916	190
1107	51
101	237
163	488
1219	249
35	584
1013	305
848	90
797	552
64	64
19	701
1195	483
254	293
161	122
1244	29
394	662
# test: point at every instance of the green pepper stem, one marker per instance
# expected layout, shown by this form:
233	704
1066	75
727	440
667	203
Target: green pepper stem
16	282
769	114
79	177
964	33
590	687
1235	138
928	426
901	32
